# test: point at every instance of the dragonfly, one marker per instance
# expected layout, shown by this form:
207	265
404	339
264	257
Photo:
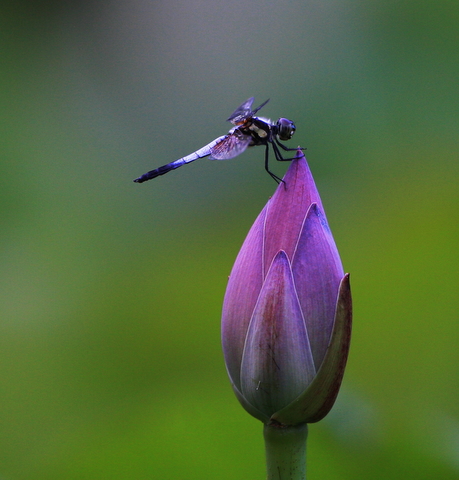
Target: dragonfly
248	131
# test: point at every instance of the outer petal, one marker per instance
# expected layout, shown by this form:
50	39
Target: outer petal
287	209
264	417
317	271
319	398
242	292
277	364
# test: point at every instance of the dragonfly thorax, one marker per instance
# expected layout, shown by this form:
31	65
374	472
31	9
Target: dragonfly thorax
260	127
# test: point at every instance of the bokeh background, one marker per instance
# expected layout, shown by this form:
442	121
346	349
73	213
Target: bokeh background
111	292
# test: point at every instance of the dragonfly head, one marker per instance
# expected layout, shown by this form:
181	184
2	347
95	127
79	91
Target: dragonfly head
285	128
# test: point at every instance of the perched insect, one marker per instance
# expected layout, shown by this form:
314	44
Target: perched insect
248	131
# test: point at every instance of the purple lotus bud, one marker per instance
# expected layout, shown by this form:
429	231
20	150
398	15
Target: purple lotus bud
286	320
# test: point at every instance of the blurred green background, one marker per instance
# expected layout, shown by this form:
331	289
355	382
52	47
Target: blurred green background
111	292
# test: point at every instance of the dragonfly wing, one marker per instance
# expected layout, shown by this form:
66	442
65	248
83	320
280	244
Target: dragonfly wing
244	111
230	146
204	151
241	112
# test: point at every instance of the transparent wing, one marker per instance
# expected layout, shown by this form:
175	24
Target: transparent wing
230	146
242	112
204	151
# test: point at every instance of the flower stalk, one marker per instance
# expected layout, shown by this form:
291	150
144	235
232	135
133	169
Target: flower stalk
285	449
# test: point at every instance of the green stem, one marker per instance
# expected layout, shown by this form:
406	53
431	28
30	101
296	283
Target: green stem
285	448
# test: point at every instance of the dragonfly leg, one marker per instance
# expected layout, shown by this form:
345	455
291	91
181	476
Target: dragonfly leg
274	176
278	154
287	148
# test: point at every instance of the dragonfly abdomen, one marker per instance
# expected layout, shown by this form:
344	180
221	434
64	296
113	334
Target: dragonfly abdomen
159	171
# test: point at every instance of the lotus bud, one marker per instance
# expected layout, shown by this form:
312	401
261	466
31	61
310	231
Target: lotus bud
286	321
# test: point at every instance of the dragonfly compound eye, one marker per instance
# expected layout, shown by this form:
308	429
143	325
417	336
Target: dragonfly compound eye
286	128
